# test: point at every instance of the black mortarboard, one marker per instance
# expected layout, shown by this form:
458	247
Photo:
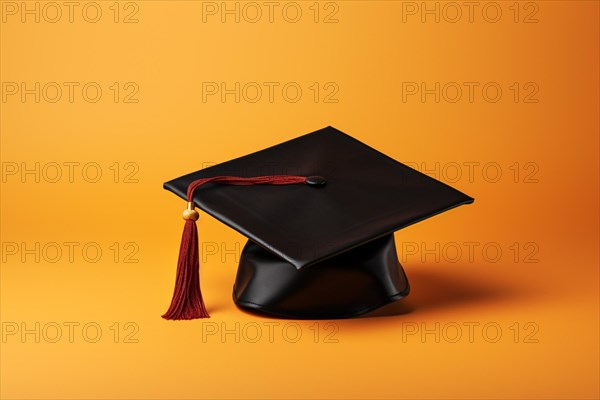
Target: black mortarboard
320	212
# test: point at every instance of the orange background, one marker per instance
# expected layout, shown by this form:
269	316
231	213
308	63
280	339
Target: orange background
549	289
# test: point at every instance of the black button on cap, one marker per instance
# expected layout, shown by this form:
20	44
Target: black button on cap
317	181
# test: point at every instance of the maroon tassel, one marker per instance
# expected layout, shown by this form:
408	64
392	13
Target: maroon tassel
187	300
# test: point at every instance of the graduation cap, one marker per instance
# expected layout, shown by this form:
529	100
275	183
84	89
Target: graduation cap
319	212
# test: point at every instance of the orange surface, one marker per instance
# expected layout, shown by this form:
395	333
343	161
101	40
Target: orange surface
504	300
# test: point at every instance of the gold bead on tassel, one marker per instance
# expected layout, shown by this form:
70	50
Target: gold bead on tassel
190	212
